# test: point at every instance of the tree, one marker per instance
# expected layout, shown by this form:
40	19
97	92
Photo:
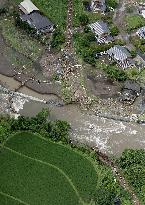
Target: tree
58	39
104	196
84	20
59	131
114	31
133	53
115	73
112	3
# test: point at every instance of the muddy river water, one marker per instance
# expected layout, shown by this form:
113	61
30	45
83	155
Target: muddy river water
110	136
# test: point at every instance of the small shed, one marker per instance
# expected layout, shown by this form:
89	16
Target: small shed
27	7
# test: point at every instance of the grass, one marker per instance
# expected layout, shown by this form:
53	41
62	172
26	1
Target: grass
35	171
56	10
134	22
20	41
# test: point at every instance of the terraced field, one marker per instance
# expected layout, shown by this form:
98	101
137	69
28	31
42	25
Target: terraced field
35	171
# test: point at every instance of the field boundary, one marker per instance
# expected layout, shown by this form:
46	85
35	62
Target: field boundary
14	198
50	165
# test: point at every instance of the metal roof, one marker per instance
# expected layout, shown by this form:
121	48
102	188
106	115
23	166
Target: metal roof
99	28
119	53
27	6
141	32
36	20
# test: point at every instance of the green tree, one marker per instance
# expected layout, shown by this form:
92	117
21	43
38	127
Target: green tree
112	3
115	73
114	31
83	19
58	39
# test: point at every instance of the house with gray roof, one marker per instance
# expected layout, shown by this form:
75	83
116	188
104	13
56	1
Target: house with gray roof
121	55
141	32
101	31
98	5
32	16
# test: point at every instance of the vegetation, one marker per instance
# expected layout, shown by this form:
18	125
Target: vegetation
132	162
58	39
115	73
112	3
87	48
58	176
20	41
138	43
114	30
134	22
84	20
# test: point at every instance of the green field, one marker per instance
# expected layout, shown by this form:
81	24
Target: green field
56	10
36	171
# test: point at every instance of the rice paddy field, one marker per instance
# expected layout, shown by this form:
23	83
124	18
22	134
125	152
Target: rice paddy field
35	171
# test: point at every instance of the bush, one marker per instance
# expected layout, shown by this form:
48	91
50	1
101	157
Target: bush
112	3
58	39
83	19
3	11
138	43
133	53
114	31
115	73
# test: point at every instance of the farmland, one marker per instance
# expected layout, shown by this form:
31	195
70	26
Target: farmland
42	172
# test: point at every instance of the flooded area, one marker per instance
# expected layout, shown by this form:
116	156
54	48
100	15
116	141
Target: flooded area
110	136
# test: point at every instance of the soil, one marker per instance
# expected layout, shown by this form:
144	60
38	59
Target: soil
100	85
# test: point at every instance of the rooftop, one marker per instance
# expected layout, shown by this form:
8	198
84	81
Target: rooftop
119	52
36	20
99	28
27	7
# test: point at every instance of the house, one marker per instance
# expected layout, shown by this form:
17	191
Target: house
141	32
101	31
98	5
121	55
27	7
32	16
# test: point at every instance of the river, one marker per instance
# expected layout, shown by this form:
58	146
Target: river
110	136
